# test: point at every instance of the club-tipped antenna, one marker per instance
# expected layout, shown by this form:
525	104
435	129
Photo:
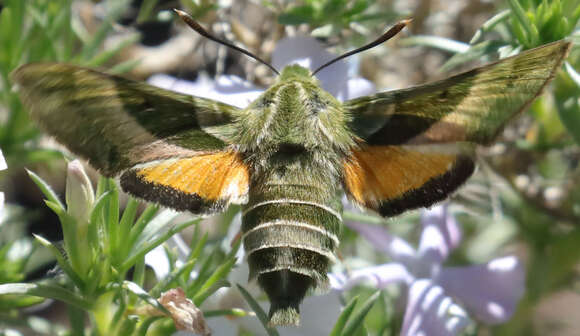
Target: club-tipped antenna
201	31
383	38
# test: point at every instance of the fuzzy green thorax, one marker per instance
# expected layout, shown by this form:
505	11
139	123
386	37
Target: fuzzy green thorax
294	115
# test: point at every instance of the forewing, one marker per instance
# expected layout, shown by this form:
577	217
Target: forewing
473	106
117	123
172	148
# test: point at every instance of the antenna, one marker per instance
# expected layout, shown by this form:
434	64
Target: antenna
385	37
199	29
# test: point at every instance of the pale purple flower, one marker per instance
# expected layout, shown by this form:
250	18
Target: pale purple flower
436	293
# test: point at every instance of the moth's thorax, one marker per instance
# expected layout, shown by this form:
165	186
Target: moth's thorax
293	116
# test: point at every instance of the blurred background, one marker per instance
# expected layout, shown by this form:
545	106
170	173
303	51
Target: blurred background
524	198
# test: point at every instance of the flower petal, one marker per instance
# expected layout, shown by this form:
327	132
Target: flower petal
430	312
354	88
227	89
377	276
491	291
441	234
397	248
307	52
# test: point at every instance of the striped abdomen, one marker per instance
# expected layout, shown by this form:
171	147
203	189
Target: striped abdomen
290	233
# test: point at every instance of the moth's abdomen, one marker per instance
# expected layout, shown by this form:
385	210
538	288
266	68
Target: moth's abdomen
290	233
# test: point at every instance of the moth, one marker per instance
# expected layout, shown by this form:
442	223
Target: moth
291	154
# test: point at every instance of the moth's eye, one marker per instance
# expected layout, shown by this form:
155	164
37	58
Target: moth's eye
316	105
264	102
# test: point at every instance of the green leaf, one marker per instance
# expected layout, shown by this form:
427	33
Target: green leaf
46	189
105	56
531	31
139	251
356	321
234	312
208	286
344	317
167	280
490	24
125	225
297	15
142	221
442	43
62	262
260	313
475	52
143	295
125	66
153	227
47	291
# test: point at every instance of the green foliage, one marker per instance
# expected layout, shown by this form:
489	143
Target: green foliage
328	17
36	31
99	249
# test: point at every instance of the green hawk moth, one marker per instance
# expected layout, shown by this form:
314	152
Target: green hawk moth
291	154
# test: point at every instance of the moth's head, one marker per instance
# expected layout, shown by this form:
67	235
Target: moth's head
296	72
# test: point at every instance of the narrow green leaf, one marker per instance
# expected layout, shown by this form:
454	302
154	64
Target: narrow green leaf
153	227
125	66
107	55
343	318
139	274
166	281
112	217
47	291
142	221
90	49
475	52
125	225
234	312
144	326
356	321
490	24
520	15
62	262
46	189
143	295
142	249
260	313
146	10
202	273
221	273
297	15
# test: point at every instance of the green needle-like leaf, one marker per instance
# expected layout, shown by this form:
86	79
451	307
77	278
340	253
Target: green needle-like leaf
50	291
260	313
344	317
357	320
46	189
